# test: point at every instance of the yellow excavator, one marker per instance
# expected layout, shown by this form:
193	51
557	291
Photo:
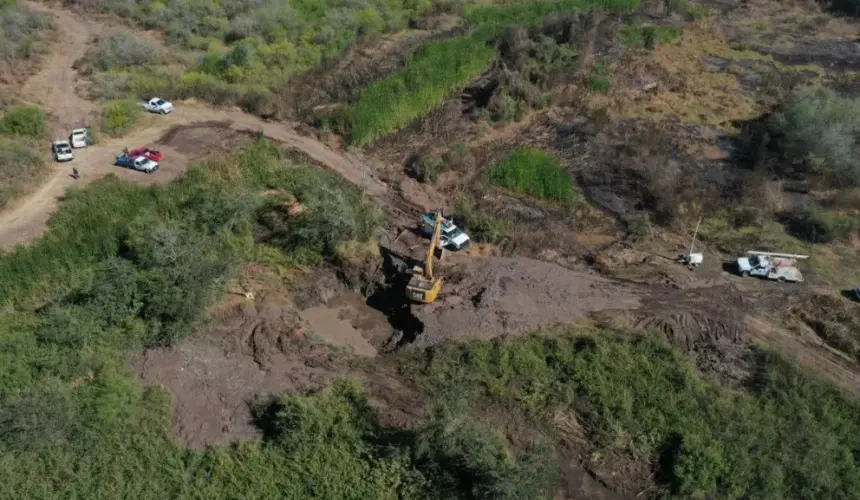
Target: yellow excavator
423	286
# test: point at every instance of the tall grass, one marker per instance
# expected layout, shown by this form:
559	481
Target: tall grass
534	173
428	77
23	120
525	13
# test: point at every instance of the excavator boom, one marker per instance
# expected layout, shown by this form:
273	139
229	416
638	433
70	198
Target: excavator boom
434	242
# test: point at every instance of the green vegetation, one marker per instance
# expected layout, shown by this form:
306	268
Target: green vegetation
482	227
247	48
821	129
20	32
646	36
534	173
126	266
526	13
816	225
790	437
23	120
442	67
119	117
599	79
428	77
121	51
20	167
21	128
95	224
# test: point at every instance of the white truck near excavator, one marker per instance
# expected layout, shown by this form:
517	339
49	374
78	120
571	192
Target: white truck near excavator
451	237
773	266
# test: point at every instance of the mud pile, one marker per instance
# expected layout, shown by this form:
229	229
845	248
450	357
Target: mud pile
486	298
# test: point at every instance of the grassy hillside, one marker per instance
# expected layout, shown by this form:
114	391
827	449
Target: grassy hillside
234	51
441	68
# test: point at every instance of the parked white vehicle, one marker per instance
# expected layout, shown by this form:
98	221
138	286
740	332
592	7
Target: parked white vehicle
79	138
158	105
62	151
773	266
452	237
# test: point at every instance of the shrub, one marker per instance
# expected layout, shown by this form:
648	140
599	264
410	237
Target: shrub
20	28
120	117
822	130
123	50
534	173
503	108
23	120
464	456
598	78
482	228
817	225
20	167
646	36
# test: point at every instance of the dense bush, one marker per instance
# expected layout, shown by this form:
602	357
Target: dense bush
263	42
23	120
20	30
534	173
20	167
792	436
820	130
122	50
646	36
119	117
482	227
817	225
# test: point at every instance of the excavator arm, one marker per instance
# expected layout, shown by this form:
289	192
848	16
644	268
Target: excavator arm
434	242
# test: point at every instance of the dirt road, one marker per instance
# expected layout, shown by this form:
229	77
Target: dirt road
54	88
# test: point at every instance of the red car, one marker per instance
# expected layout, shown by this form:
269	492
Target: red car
152	154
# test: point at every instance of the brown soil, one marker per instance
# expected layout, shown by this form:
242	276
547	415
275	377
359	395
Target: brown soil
265	346
502	296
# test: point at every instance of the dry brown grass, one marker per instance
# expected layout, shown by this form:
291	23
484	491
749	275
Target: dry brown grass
686	87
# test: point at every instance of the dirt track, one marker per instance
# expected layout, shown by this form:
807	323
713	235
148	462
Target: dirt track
54	87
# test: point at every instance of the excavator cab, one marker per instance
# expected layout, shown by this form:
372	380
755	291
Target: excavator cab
424	286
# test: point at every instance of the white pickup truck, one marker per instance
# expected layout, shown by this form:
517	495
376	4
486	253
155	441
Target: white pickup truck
157	105
62	151
79	138
452	237
772	266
